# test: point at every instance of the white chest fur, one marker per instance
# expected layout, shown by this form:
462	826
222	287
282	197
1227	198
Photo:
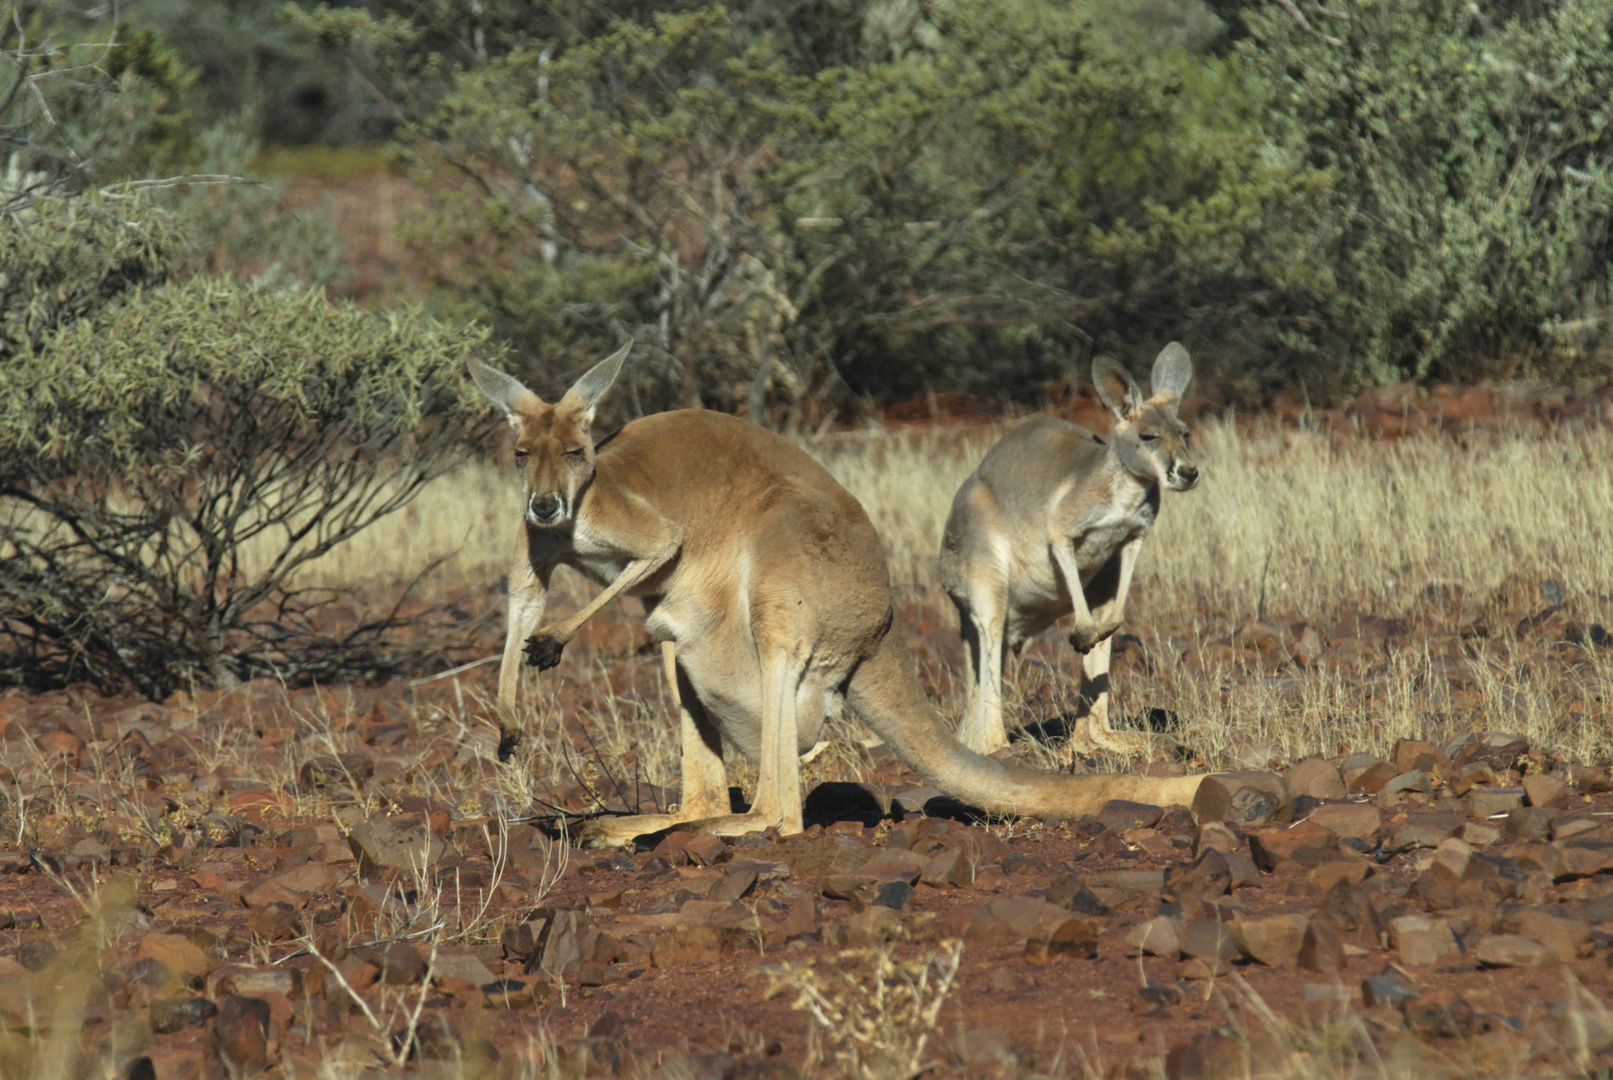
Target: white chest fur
1128	514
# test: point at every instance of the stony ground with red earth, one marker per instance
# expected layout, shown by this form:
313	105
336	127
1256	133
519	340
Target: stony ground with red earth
1453	899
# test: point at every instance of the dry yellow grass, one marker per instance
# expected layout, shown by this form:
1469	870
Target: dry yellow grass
1287	521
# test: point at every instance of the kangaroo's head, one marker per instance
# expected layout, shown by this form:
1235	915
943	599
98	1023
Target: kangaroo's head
1149	440
554	446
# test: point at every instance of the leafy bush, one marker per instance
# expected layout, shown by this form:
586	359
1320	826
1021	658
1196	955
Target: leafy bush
64	258
1469	147
168	464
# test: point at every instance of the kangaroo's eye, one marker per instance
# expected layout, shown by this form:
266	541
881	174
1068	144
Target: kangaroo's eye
520	455
577	454
1149	438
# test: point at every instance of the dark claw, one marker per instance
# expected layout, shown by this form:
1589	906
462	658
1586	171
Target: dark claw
507	742
543	651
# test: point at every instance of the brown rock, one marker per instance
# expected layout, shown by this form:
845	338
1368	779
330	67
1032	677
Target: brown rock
977	926
398	963
179	956
1306	843
704	849
1371	779
1210	941
1412	754
1215	836
1075	937
562	950
241	1032
1419	941
401	844
1322	951
1483	803
1439	1014
311	878
949	867
874	926
1542	789
1120	815
275	922
733	886
686	945
1512	950
1349	821
1565	935
1243	798
1157	937
270	892
1317	778
249	982
359	974
1428	829
1208	876
1329	873
1271	940
61	744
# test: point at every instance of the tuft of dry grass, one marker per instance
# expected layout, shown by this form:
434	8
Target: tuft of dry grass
1287	527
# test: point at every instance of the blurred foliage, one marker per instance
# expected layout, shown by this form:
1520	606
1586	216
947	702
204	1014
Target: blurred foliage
169	464
1470	147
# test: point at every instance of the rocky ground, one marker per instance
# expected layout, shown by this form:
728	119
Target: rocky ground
1451	902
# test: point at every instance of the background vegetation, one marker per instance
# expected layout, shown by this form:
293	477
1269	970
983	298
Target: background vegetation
794	209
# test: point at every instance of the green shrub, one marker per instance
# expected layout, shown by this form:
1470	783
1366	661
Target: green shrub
64	258
168	464
1469	149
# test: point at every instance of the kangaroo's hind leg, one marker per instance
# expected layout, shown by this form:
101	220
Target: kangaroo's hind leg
1106	593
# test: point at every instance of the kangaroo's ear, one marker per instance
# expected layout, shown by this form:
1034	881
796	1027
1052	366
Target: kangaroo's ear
1173	370
1116	387
505	390
586	391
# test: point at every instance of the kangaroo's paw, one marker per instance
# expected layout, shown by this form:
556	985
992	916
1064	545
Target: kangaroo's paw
543	650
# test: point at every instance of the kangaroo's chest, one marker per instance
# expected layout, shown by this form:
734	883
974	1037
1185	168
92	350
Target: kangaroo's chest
1126	516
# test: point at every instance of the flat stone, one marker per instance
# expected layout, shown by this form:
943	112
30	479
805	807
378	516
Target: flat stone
1428	829
1271	940
286	981
1317	778
1349	821
874	926
270	892
399	844
736	884
1332	871
461	965
1120	815
1512	950
1369	780
1484	803
686	945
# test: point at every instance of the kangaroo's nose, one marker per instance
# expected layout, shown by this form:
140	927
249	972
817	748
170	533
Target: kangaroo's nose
1189	474
546	507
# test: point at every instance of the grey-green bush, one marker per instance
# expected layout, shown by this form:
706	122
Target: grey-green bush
144	448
